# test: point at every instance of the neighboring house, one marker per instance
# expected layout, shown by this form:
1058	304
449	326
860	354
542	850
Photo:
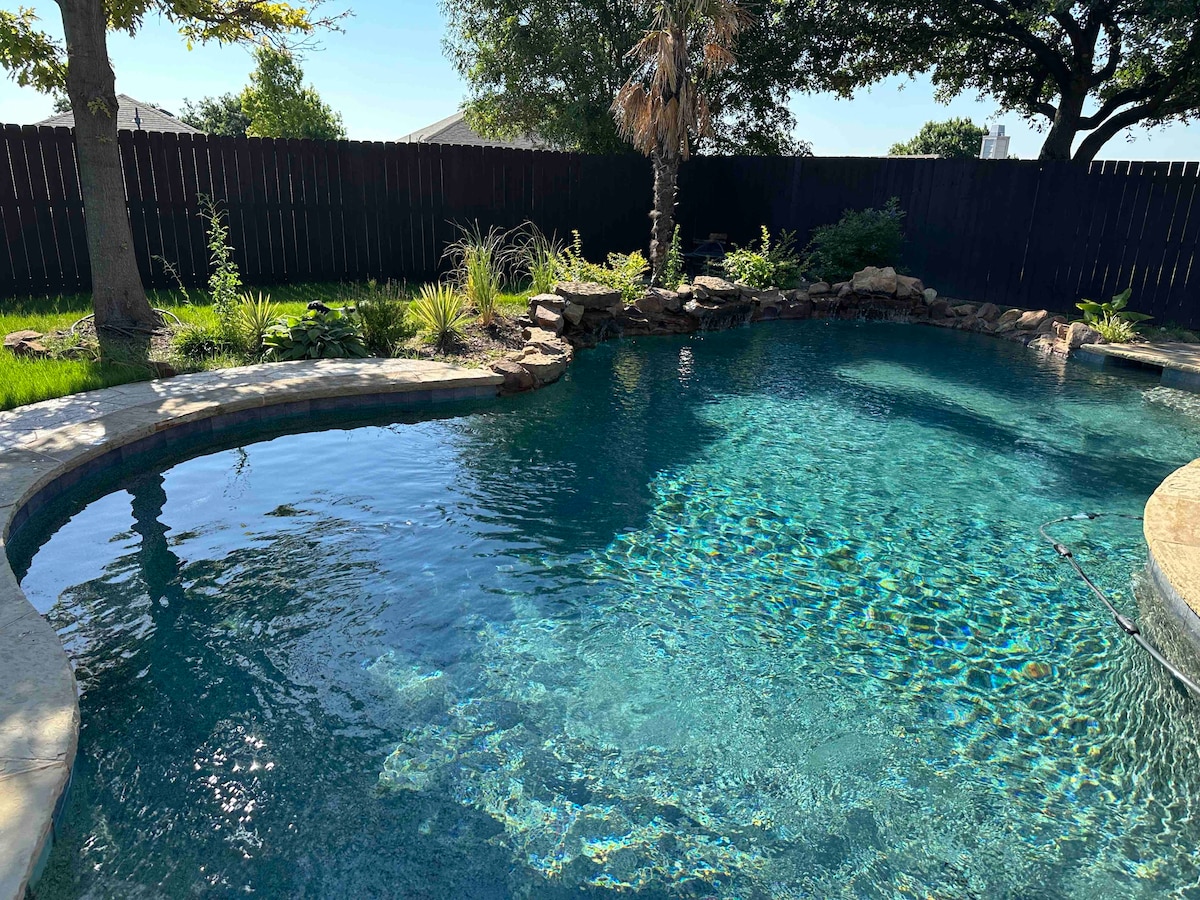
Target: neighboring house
132	115
455	130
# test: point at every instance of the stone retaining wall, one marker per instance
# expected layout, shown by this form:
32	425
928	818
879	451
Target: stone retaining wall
580	315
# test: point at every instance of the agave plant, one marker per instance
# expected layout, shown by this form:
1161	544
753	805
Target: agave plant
1114	322
439	314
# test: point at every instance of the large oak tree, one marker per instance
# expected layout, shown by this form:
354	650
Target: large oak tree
552	67
80	65
1083	70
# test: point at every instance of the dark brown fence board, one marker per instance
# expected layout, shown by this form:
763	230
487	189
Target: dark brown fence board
1010	232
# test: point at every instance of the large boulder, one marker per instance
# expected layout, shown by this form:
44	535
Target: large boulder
573	313
715	287
929	294
874	280
516	377
989	312
588	294
820	287
797	309
1008	321
544	367
1080	333
26	343
909	288
1031	319
547	318
965	309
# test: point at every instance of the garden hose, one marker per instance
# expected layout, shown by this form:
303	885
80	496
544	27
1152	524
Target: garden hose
1124	622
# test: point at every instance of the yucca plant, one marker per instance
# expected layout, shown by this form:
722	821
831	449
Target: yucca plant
255	315
539	257
439	314
481	261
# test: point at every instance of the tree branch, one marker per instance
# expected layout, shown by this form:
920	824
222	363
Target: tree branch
1046	55
1093	142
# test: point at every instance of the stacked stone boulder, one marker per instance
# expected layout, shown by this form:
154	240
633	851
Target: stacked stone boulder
581	314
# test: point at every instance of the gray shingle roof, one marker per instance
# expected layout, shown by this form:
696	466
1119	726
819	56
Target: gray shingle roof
454	130
132	115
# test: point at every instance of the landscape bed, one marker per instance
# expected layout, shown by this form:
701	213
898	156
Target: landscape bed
761	613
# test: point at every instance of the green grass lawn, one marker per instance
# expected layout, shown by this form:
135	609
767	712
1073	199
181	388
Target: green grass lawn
30	380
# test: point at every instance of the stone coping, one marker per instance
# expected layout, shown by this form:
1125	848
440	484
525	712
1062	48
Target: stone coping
47	447
1179	363
1172	529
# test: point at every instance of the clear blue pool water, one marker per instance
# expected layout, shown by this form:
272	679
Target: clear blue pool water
743	615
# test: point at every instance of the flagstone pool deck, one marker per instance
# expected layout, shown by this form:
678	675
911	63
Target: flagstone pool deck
46	448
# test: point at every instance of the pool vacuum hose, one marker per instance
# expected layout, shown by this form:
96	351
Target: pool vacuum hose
1126	624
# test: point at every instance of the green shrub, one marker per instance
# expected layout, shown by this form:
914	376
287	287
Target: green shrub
1115	323
866	237
385	323
255	316
673	272
439	314
624	272
225	282
196	343
771	265
321	333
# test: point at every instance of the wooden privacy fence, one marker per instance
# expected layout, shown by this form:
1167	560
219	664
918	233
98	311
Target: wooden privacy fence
1024	233
301	210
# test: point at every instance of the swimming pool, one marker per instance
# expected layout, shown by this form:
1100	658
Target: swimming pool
761	613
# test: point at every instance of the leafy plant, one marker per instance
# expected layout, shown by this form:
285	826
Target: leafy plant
197	343
439	314
673	266
1114	322
538	257
861	238
225	282
320	333
481	261
771	265
255	316
624	272
383	314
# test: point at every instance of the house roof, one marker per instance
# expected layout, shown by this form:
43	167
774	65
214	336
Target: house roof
455	130
132	115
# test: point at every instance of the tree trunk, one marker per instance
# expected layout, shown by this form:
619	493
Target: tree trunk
118	298
662	219
1064	126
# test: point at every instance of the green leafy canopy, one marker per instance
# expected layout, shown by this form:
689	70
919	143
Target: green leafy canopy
952	139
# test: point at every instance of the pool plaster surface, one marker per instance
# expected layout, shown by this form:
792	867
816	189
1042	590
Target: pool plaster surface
43	442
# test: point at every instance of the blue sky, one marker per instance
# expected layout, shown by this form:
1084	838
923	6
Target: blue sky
387	76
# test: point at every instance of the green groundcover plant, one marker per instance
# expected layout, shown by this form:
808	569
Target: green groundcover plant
320	333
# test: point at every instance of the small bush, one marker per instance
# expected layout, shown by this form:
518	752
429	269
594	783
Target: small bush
321	333
866	237
385	323
1115	323
624	272
197	343
673	273
773	264
439	314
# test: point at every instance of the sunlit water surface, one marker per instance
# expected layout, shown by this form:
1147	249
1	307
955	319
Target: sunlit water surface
753	614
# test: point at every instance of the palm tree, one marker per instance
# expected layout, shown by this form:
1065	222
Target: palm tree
662	107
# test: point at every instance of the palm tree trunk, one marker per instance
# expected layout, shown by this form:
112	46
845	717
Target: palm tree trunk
662	219
118	298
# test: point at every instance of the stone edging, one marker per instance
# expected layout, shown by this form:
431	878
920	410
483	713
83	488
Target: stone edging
1172	529
581	315
45	448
